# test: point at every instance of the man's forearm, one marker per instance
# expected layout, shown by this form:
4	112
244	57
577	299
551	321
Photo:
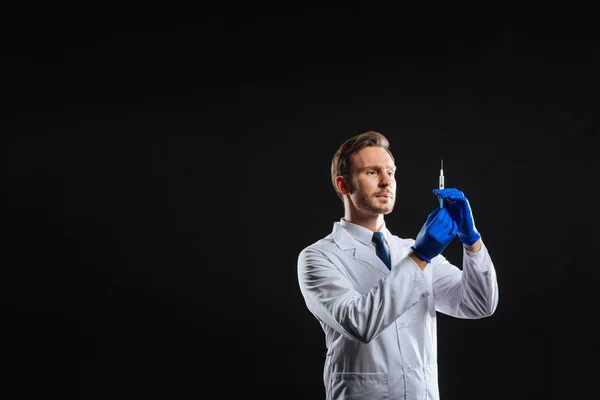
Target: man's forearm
475	247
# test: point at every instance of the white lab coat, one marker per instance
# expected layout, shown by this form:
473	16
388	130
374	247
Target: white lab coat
380	325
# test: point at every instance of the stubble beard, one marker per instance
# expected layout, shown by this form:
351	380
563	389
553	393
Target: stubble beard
368	204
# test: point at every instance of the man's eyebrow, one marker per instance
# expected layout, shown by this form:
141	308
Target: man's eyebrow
393	167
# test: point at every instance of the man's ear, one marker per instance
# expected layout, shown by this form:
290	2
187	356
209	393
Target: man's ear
341	185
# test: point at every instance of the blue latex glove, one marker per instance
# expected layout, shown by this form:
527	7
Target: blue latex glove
437	232
460	211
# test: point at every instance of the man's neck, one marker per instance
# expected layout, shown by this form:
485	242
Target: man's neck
373	223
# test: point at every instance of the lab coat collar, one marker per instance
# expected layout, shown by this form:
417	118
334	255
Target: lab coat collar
355	238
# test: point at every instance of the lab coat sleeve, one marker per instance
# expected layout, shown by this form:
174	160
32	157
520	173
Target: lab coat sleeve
332	298
471	293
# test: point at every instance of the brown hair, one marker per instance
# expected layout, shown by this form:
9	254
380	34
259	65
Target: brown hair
342	159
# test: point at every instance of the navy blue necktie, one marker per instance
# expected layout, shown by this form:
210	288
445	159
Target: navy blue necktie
381	249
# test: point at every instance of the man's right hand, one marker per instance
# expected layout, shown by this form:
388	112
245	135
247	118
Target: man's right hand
437	232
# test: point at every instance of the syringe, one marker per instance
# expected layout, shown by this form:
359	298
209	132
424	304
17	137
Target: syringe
441	183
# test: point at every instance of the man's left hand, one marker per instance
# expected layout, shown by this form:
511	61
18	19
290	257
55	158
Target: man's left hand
460	210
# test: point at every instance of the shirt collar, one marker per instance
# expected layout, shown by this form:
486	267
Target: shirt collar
361	233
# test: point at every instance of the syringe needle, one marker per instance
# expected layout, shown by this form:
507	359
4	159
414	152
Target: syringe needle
441	181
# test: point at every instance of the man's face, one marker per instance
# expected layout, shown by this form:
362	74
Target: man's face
373	185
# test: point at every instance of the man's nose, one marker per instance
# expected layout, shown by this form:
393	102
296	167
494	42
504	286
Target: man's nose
385	181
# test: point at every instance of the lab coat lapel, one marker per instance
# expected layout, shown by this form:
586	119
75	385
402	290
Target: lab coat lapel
359	250
368	255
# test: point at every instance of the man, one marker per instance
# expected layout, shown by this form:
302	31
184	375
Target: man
376	295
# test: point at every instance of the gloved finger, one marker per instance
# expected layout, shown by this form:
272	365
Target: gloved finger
432	216
456	205
458	196
442	215
440	224
446	220
443	193
452	202
454	229
452	195
448	234
454	209
449	226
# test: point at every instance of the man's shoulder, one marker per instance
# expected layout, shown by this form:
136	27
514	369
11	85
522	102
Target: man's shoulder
320	244
325	246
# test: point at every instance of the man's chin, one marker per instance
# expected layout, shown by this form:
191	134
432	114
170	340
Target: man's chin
383	210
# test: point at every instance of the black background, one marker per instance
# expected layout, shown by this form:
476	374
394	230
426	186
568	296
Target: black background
166	165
